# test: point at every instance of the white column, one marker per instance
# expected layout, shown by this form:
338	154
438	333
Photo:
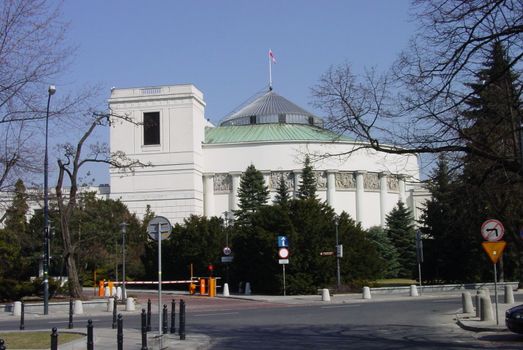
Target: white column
208	194
267	178
233	199
401	185
359	195
331	187
297	182
383	197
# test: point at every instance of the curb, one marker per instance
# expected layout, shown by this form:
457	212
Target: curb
478	329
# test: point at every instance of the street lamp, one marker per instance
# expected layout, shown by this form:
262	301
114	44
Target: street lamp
50	91
338	253
123	227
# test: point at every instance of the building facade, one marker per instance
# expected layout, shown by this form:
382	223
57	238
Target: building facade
194	167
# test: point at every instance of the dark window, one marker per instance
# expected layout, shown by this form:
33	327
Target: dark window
151	128
311	120
253	119
281	118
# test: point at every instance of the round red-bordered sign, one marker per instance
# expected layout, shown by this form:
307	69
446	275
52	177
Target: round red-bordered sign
492	230
283	253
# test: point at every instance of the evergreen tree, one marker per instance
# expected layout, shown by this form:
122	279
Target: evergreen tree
386	251
400	230
252	194
15	219
307	188
282	193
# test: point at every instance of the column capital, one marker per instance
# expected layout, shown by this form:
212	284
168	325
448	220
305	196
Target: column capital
208	174
331	171
235	173
384	174
297	171
360	172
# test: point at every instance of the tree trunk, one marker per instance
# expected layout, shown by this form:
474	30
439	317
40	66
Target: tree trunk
75	289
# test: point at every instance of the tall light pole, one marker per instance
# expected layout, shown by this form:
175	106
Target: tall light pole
50	92
123	227
338	254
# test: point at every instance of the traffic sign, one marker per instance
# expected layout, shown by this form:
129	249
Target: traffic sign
492	230
227	259
326	253
283	253
283	261
227	251
494	250
283	241
159	227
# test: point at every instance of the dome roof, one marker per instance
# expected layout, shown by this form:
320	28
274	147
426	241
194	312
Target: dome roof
271	108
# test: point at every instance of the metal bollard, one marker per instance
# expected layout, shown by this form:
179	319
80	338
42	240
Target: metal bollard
70	326
54	339
114	313
144	330
148	315
164	319
90	341
119	332
173	317
181	327
2	344
22	325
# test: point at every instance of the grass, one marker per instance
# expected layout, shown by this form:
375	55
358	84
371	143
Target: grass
395	282
35	340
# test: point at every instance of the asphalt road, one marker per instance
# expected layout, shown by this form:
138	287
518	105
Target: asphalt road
385	324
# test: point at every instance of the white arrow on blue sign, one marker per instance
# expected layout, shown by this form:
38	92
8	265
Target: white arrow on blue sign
283	242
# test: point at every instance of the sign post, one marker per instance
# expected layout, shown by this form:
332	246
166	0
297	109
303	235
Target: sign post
283	254
492	231
159	228
419	255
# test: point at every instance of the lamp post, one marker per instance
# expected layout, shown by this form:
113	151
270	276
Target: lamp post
50	92
338	251
123	227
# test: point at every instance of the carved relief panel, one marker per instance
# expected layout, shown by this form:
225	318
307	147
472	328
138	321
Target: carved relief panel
345	180
222	182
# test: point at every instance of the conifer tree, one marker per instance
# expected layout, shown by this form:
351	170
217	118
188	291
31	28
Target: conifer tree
400	230
282	192
252	193
307	189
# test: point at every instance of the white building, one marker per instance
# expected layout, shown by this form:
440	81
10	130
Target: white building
195	167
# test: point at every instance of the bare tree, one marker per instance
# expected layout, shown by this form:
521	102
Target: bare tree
418	106
69	170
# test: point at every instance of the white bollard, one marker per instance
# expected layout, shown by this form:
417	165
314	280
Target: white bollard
366	293
119	293
226	289
78	307
129	304
479	293
113	291
110	304
466	301
247	288
107	292
487	314
325	296
509	295
17	308
413	290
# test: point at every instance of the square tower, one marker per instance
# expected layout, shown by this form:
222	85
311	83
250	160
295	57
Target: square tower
167	133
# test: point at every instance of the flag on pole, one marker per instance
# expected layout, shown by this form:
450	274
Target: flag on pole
271	56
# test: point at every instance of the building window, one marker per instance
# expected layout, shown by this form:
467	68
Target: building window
281	118
252	119
151	128
311	121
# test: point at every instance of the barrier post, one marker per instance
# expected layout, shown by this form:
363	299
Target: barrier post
148	315
90	341
202	286
114	312
119	332
2	344
70	325
144	330
164	319
22	325
54	339
173	317
181	328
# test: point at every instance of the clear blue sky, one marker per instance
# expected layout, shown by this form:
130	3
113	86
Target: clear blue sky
221	46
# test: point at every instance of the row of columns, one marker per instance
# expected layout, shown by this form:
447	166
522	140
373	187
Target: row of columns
208	195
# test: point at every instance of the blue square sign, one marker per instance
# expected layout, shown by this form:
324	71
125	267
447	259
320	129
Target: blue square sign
283	242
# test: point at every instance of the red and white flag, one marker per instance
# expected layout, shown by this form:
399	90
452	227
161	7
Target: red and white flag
271	56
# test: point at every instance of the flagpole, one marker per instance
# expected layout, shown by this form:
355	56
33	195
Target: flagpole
270	71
